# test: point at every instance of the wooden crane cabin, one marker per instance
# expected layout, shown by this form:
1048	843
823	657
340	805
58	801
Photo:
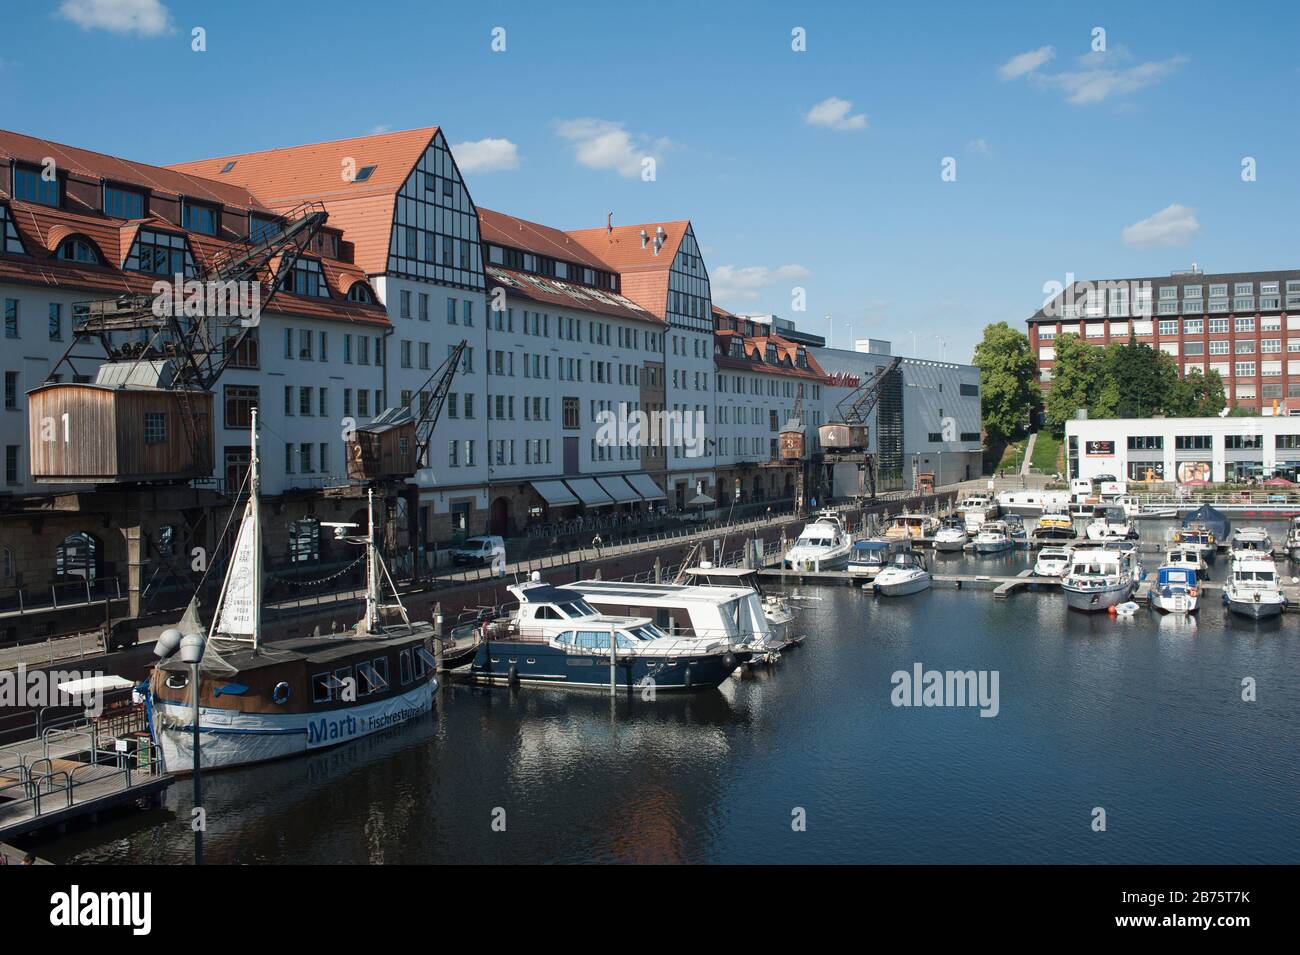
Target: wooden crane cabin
385	448
129	426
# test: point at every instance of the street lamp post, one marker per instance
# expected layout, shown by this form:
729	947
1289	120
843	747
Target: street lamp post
192	653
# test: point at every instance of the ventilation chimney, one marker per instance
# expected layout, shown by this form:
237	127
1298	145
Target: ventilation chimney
660	237
644	238
609	223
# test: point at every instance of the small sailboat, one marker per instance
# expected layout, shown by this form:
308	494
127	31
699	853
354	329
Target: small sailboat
265	699
951	535
1251	589
905	574
1175	589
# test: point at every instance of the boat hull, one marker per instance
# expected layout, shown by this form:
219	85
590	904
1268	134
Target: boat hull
506	662
1255	609
950	545
229	738
1174	603
993	547
1096	598
902	588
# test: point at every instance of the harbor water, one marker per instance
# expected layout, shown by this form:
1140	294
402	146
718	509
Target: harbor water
1141	717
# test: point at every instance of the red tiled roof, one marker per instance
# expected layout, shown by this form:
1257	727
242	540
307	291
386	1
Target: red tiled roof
549	291
507	230
85	162
643	275
756	348
284	178
41	228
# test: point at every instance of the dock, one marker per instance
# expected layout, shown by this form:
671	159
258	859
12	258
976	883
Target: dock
74	774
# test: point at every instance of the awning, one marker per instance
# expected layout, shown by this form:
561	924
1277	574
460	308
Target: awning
589	491
95	684
554	493
644	485
619	490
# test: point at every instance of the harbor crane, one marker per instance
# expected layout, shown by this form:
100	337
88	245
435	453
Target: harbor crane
159	356
847	439
385	453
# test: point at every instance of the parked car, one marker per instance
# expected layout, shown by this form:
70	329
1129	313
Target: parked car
478	550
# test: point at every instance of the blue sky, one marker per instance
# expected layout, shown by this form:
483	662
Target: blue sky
818	169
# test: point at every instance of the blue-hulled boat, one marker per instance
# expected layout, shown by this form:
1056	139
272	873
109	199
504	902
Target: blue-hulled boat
557	638
1175	589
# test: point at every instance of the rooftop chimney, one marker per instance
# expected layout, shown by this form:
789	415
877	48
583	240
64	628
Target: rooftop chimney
609	223
644	238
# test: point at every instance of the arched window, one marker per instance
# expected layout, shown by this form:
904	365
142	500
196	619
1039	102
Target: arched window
77	557
360	292
77	249
304	541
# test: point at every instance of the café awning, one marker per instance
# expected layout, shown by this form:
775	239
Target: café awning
619	490
554	493
644	485
589	491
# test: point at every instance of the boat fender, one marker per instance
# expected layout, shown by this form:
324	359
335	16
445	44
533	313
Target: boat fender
280	694
512	676
729	661
686	677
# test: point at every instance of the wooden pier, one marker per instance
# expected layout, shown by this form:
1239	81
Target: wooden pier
74	774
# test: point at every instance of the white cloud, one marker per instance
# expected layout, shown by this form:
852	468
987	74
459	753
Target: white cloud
1023	63
144	17
379	129
486	155
1173	225
1098	81
606	145
834	113
979	146
731	283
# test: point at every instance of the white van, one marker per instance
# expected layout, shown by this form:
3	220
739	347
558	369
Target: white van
479	550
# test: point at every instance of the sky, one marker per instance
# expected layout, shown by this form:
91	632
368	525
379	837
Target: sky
917	170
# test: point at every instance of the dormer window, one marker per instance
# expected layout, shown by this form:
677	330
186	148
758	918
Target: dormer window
364	173
200	218
261	228
9	241
801	357
160	253
737	348
360	292
123	203
307	279
31	185
769	353
227	167
76	249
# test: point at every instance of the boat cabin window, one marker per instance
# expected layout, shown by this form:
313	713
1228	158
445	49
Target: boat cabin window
370	681
647	633
565	639
593	639
322	689
577	608
177	681
345	682
404	666
546	612
1255	575
381	668
417	663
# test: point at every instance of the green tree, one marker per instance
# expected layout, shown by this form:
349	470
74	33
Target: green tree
1076	380
1008	391
1197	396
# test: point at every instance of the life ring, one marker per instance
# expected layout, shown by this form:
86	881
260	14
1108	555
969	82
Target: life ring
280	694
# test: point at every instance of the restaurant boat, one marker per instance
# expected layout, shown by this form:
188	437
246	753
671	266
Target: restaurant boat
1098	579
266	699
1251	589
555	637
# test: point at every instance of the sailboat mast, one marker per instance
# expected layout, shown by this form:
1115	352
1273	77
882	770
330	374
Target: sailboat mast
372	570
254	512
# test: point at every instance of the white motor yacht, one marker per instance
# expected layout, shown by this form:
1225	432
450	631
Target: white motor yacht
905	574
1052	562
823	544
1252	588
1098	579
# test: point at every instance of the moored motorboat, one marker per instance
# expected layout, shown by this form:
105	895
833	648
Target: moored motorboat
1187	558
1098	578
1293	539
1251	589
1055	523
951	535
911	527
556	638
1052	562
994	537
1109	523
1250	543
975	509
869	557
823	544
1175	589
905	574
1197	538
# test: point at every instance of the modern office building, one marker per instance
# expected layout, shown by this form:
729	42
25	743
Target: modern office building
1244	325
1183	450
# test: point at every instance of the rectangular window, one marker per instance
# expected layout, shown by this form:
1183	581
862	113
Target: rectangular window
30	185
11	318
11	463
123	203
199	218
155	427
240	400
56	322
11	390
